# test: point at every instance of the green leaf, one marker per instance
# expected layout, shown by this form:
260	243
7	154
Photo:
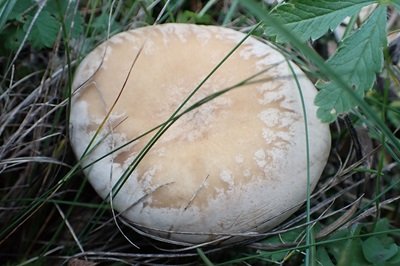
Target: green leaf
45	30
350	252
56	7
12	38
343	252
257	10
287	237
74	22
382	225
376	253
358	58
323	257
192	17
74	25
5	12
395	260
100	23
19	9
311	19
396	4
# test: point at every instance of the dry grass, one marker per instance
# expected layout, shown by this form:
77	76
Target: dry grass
50	215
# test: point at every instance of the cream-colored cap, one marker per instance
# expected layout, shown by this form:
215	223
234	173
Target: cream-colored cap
236	164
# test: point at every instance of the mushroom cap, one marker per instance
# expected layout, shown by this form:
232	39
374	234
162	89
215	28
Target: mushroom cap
235	164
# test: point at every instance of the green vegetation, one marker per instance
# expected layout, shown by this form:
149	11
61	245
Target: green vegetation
50	215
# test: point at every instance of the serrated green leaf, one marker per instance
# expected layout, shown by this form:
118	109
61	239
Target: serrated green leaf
376	253
311	19
358	58
44	32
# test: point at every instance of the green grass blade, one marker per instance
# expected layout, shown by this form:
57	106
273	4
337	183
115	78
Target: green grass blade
257	10
5	10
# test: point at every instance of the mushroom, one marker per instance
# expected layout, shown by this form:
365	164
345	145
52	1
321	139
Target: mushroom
233	165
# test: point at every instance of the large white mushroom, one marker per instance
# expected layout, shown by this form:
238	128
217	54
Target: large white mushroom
236	164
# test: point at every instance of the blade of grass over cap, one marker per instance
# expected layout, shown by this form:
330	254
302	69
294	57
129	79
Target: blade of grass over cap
164	128
257	10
